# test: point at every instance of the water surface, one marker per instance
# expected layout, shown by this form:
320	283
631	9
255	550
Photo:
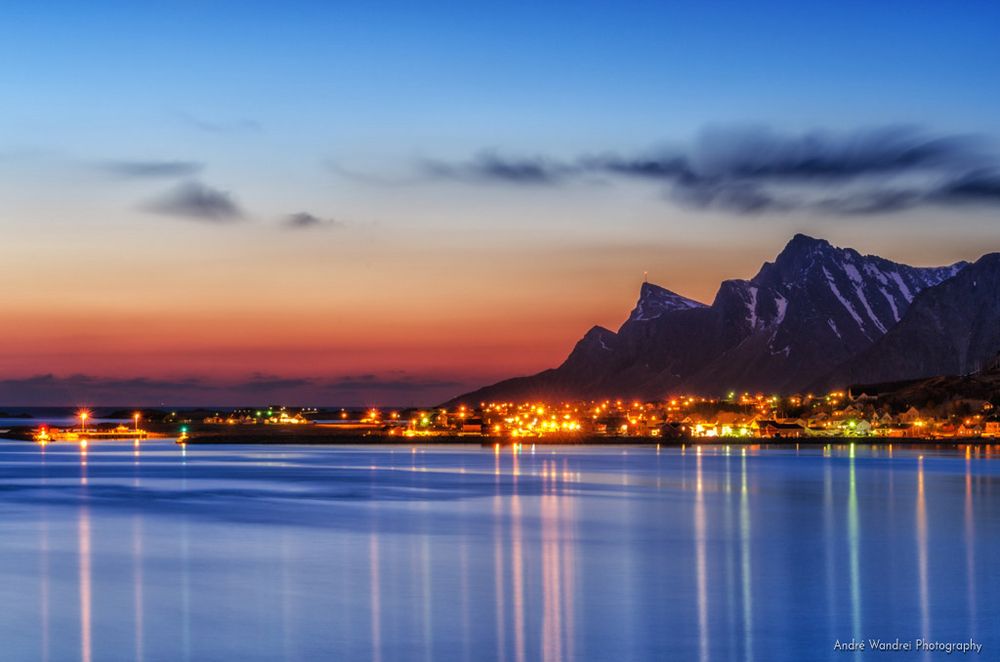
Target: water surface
467	553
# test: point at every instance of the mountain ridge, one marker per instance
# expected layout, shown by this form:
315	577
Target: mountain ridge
798	321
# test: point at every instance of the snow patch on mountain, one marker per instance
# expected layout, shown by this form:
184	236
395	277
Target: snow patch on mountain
782	304
845	302
902	286
892	303
654	301
752	306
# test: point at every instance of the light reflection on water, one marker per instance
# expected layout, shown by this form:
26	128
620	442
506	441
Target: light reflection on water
701	562
709	553
745	564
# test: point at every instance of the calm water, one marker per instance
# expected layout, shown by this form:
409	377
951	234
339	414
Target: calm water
462	554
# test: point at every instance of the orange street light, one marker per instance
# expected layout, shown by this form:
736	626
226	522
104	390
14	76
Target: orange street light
84	415
136	417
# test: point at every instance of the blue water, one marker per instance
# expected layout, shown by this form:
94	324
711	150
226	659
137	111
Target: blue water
460	553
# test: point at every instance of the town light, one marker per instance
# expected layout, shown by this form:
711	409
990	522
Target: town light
84	415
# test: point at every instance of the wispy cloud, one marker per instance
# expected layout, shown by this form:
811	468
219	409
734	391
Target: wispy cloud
270	383
304	220
750	170
489	166
195	200
977	186
151	169
49	389
238	125
394	383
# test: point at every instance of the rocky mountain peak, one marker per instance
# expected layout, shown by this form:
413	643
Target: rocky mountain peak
814	308
654	301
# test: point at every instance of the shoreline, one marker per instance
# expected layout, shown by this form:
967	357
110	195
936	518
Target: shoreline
506	442
319	437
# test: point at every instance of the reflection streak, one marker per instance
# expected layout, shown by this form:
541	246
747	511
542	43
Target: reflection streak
701	562
517	565
922	551
498	576
569	568
745	563
83	541
552	626
853	542
970	546
44	598
83	534
830	538
558	572
137	587
376	590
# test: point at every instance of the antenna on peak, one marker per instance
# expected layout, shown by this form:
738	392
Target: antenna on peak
645	276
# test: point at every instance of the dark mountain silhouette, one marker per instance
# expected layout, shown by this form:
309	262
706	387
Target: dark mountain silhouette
936	391
799	322
951	329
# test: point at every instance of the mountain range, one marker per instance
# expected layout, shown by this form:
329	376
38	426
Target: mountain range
816	317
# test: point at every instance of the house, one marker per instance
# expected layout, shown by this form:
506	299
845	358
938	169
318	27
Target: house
778	430
473	426
898	431
911	415
968	430
675	431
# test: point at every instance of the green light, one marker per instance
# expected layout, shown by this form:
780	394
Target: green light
184	429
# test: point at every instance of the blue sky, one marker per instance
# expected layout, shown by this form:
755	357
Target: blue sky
445	152
448	77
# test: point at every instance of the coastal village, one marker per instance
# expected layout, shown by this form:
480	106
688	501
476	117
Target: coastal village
833	415
839	414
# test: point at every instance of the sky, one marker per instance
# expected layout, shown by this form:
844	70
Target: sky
394	202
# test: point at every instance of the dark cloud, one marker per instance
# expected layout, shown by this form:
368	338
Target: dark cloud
760	153
871	202
304	220
151	169
393	388
369	382
48	389
740	197
266	383
91	382
664	167
978	186
489	167
195	200
751	170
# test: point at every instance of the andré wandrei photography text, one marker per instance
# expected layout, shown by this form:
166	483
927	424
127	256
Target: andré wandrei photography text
499	331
